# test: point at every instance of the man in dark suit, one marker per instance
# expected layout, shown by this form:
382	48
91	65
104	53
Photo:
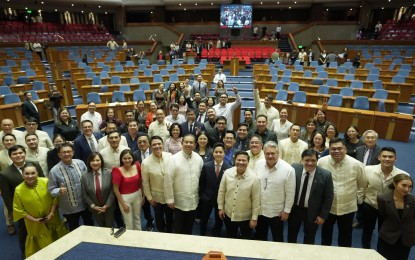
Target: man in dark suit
209	182
201	113
143	152
368	154
87	142
211	121
106	218
313	197
242	137
29	109
218	131
10	178
191	126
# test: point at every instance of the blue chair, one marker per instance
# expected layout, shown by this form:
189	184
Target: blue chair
405	67
287	73
203	61
381	94
38	85
282	95
164	72
148	72
6	69
30	73
100	64
323	75
118	96
24	63
106	68
81	65
135	73
381	106
93	97
313	63
377	84
346	92
332	82
294	86
138	95
300	97
279	85
181	71
11	98
361	103
349	77
368	66
298	68
145	62
297	62
119	68
335	100
144	86
90	75
282	67
190	61
274	78
157	78
115	80
356	84
318	82
117	62
142	67
323	89
129	63
134	81
167	84
154	67
87	69
308	73
398	79
170	67
285	79
403	73
96	80
176	62
273	71
374	70
341	69
125	88
4	90
104	89
197	71
202	66
333	64
174	77
104	74
161	62
23	80
320	68
348	64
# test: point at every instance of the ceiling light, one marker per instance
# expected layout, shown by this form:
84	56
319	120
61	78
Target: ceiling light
56	10
106	13
73	5
184	9
195	3
261	3
211	3
82	11
383	8
151	12
295	2
289	7
327	9
99	6
180	4
278	3
42	3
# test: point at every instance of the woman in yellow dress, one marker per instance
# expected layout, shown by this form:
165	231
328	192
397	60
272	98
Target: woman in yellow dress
33	202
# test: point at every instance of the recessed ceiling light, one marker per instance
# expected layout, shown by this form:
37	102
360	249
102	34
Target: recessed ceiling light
106	13
56	10
73	5
261	3
195	3
351	9
42	3
25	8
295	2
289	7
211	3
278	3
327	9
151	12
383	8
180	4
184	9
99	6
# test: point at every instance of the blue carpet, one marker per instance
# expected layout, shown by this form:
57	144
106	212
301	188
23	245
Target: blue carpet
93	251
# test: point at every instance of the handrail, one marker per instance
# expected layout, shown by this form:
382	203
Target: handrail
293	43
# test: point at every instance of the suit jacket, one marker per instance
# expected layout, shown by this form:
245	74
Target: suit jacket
28	110
204	90
89	192
394	227
137	155
185	128
10	178
245	143
205	119
373	160
321	194
209	183
82	149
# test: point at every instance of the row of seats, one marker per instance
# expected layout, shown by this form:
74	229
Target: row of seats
12	98
8	81
117	96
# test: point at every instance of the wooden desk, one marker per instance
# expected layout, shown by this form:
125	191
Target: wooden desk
14	112
393	126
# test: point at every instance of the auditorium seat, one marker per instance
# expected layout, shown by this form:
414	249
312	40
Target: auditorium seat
11	98
279	85
317	81
157	78
38	85
294	86
115	80
346	92
282	95
118	96
380	94
4	90
125	88
377	84
308	73
356	84
300	97
138	95
332	82
323	89
361	103
349	77
398	79
164	72
23	80
335	100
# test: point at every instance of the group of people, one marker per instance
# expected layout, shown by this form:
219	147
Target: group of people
185	165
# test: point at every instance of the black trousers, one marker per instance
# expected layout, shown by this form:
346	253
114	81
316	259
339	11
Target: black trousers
183	221
276	226
344	224
397	251
147	213
233	228
73	219
206	208
118	216
297	217
369	217
22	232
164	218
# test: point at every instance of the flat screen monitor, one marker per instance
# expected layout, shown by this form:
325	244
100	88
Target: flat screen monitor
236	16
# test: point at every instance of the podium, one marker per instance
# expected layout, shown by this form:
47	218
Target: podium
234	66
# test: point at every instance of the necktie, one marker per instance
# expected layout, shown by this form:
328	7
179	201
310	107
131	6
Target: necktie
191	128
199	118
240	145
92	145
217	169
143	155
303	191
366	157
199	87
98	188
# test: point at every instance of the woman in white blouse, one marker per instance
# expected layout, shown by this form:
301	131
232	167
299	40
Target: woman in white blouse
281	126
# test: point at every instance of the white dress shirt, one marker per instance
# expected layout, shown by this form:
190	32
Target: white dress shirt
308	189
290	151
227	110
277	187
161	130
112	157
153	170
253	159
39	156
181	183
348	177
95	118
281	130
179	119
218	77
271	112
103	142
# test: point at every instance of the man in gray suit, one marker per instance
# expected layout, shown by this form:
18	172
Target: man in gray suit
313	197
201	87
